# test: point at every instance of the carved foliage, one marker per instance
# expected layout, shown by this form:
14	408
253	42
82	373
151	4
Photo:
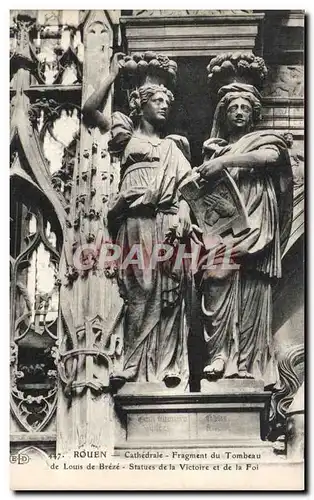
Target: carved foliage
33	412
89	344
290	380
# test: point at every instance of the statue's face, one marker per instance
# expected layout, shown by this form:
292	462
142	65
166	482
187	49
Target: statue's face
239	115
156	109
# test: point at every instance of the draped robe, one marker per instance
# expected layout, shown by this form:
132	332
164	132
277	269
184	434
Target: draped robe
154	325
237	304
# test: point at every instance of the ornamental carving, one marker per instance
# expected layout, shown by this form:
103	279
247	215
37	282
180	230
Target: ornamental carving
57	126
53	54
296	154
236	67
178	13
148	68
91	341
285	81
291	369
35	303
81	326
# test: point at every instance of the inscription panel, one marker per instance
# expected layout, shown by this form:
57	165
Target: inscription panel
229	425
156	427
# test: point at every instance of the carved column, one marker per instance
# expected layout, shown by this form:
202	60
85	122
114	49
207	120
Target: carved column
88	295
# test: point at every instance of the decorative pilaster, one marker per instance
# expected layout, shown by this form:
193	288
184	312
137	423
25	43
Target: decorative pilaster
89	299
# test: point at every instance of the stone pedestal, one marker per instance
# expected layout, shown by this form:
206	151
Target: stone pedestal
229	413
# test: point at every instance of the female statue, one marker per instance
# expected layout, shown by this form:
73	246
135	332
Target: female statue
237	303
147	211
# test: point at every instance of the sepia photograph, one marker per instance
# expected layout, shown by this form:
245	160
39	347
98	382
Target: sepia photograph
157	250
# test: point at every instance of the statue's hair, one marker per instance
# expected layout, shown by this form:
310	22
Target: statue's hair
142	95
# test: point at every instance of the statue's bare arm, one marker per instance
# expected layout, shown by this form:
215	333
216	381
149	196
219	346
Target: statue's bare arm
92	109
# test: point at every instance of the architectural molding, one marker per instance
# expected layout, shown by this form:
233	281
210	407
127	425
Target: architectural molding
193	35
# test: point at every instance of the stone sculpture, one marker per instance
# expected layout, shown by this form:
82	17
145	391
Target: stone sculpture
146	212
236	303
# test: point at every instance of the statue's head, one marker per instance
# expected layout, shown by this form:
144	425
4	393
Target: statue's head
148	77
239	109
152	103
242	112
235	79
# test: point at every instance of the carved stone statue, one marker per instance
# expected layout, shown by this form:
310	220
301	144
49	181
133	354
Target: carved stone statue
147	211
237	302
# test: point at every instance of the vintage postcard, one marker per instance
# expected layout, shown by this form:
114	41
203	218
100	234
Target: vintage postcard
157	249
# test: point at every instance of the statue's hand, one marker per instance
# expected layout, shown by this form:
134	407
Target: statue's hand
210	168
182	226
117	63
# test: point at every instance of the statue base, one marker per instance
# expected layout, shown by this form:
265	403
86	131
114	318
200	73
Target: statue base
224	413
